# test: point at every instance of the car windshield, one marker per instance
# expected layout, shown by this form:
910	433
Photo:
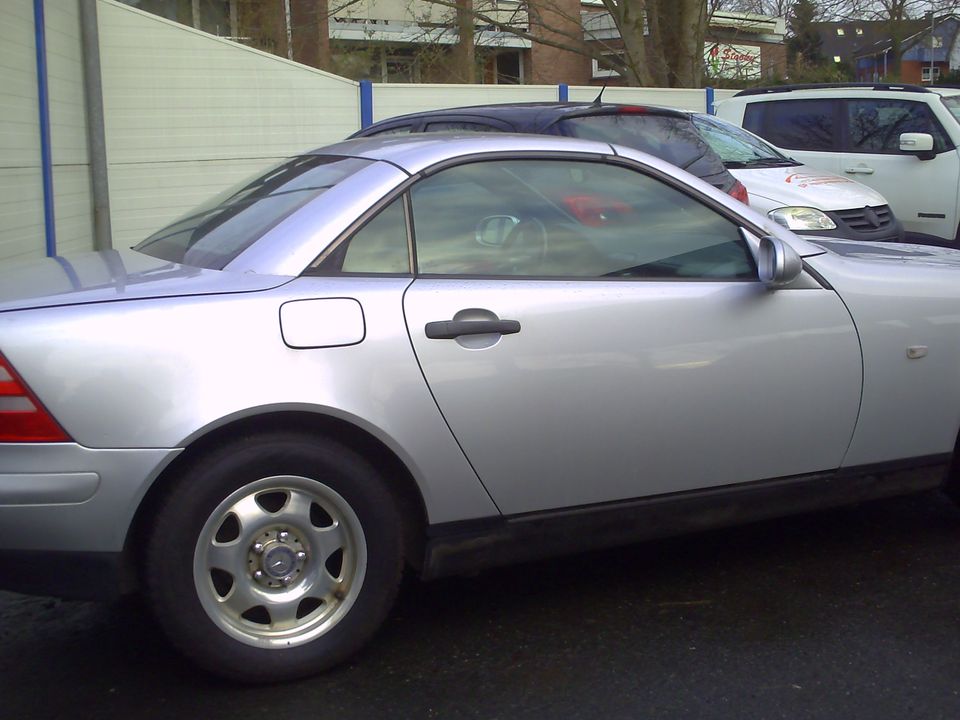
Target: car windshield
215	233
737	147
667	137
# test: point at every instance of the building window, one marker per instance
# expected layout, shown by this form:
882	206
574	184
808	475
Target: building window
509	68
840	32
602	72
930	74
836	58
859	31
399	67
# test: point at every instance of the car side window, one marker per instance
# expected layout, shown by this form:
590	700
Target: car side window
459	126
875	126
794	124
395	130
379	247
558	218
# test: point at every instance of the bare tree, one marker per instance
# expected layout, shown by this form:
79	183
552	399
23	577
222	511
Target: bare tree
660	41
466	48
771	8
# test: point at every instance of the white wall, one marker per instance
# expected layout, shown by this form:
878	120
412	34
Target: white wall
21	192
682	98
391	99
22	234
188	114
73	204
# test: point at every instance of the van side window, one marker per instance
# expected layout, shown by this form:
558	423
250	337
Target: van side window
794	124
875	126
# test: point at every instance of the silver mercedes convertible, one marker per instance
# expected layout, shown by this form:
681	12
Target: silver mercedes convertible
443	354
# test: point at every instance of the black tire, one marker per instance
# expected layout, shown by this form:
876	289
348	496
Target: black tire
277	554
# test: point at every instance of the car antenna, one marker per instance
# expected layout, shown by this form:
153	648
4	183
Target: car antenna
599	100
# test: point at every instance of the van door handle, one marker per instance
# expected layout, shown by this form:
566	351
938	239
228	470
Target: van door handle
859	171
451	329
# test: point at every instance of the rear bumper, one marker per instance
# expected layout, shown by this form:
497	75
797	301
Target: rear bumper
72	575
65	511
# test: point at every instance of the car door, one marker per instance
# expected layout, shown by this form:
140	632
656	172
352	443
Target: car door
922	193
591	333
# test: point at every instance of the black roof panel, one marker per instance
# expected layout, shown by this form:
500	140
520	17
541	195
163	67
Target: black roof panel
525	117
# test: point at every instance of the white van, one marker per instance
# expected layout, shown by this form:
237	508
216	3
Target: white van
808	201
901	140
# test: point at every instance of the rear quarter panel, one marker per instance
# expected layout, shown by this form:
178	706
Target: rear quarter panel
159	373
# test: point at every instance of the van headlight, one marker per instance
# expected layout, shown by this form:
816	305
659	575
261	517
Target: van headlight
802	218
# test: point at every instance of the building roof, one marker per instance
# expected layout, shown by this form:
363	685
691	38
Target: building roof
944	31
851	38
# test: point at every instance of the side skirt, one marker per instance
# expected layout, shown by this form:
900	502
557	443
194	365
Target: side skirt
465	547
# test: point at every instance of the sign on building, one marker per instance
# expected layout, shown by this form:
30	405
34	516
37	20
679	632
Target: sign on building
732	61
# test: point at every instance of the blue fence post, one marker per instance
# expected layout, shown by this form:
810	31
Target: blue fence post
46	159
366	104
563	92
711	110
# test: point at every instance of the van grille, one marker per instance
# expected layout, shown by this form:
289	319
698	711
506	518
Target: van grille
865	219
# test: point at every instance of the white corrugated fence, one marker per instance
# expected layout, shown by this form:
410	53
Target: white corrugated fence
186	115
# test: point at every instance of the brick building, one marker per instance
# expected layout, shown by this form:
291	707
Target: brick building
929	53
416	40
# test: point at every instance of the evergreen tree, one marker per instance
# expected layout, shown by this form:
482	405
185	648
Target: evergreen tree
803	44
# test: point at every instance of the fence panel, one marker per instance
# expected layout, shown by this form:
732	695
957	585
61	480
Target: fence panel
683	98
73	205
390	99
22	234
188	113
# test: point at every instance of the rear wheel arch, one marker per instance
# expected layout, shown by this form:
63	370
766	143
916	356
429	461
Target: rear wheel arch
410	504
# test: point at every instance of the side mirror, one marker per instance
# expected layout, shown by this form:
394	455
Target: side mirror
778	263
493	230
919	144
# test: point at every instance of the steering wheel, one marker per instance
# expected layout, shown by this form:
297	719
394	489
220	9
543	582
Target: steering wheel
525	247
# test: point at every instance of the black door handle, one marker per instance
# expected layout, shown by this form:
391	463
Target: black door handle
450	329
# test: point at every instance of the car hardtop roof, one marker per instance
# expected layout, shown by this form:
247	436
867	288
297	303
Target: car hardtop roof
419	151
538	113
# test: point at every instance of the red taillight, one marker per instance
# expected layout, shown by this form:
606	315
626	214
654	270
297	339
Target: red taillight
740	192
632	110
23	418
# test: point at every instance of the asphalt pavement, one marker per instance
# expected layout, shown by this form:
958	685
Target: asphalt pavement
853	613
